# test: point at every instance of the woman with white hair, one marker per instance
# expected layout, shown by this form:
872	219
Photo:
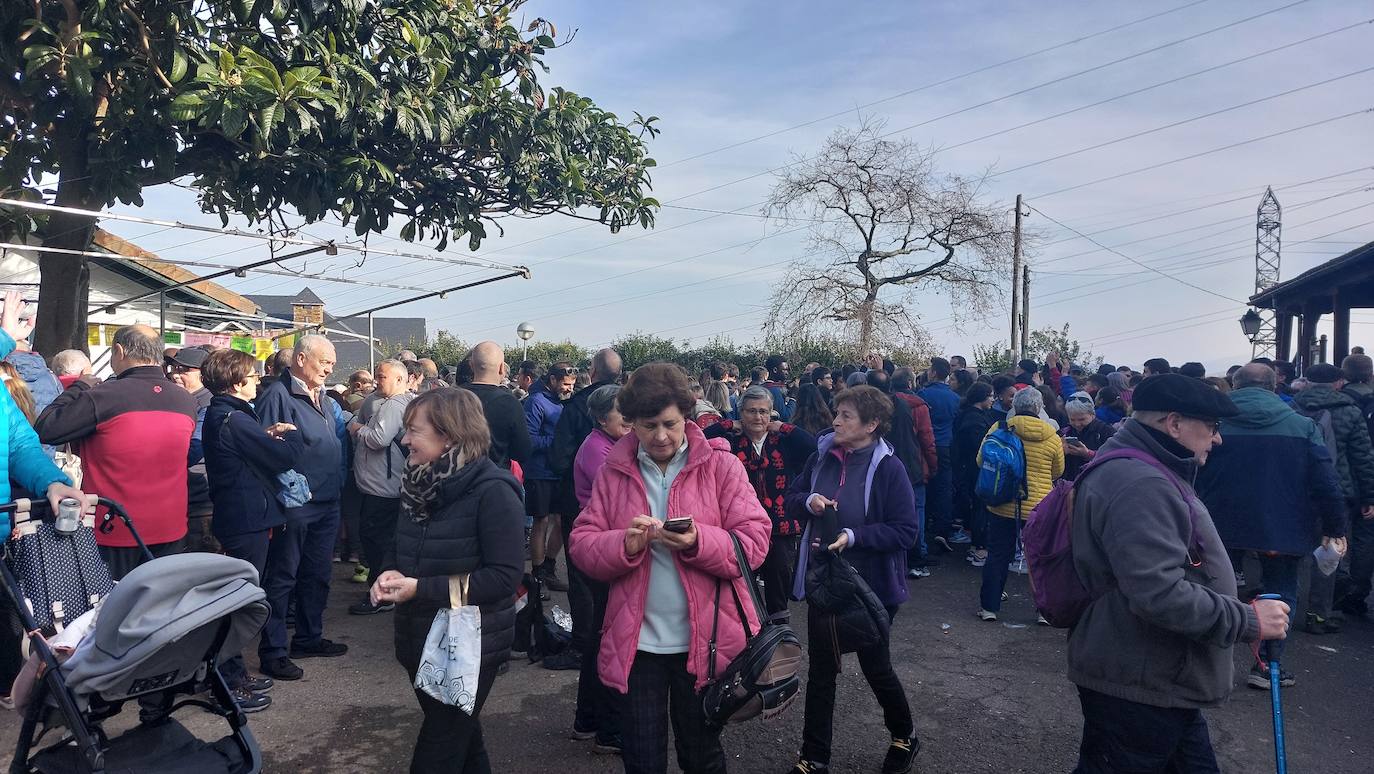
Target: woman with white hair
1084	434
1044	463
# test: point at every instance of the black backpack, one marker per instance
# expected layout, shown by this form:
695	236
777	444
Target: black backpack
765	677
842	602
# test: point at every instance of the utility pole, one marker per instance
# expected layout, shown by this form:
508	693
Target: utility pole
1025	310
1013	342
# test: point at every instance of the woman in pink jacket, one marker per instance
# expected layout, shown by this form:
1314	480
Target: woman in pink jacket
663	583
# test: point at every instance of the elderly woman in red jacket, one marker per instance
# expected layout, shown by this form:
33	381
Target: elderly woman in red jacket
657	529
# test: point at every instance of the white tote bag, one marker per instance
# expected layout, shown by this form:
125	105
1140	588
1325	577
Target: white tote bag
452	656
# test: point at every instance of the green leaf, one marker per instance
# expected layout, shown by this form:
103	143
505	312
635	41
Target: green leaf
180	64
188	106
233	120
266	117
79	78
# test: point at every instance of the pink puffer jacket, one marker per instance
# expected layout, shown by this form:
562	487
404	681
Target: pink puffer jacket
714	489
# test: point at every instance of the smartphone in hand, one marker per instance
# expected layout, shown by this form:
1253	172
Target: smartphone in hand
678	525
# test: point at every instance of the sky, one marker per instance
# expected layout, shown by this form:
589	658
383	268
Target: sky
1170	259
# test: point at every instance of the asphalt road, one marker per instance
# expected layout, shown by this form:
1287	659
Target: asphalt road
988	697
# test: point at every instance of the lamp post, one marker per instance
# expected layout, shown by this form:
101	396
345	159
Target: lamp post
1250	324
526	332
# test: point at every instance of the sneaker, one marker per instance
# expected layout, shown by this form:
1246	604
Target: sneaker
960	537
1317	624
900	754
322	649
986	615
567	658
608	746
1005	596
943	542
1040	619
548	576
366	607
1259	678
359	574
918	572
281	669
810	767
978	558
249	701
258	684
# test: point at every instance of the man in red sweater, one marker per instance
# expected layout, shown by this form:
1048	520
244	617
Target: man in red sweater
133	433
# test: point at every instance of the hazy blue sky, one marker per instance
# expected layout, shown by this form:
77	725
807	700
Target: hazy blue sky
720	73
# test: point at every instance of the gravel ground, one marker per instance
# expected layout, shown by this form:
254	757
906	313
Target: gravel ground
988	697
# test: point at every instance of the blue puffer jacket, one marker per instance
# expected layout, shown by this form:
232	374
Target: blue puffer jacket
542	411
24	461
1271	484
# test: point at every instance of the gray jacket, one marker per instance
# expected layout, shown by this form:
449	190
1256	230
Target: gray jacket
375	447
1162	625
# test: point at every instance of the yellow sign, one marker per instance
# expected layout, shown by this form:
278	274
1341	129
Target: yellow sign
287	342
93	335
264	348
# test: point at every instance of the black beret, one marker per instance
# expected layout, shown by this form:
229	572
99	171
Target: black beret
1182	394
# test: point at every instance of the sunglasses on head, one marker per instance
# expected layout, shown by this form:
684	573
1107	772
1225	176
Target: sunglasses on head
559	373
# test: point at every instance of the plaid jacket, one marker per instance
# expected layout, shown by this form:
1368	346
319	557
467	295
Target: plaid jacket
784	455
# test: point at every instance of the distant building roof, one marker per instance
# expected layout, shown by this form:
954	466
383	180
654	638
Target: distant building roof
352	354
148	264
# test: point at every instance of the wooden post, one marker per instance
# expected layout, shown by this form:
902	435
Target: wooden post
1340	345
1015	339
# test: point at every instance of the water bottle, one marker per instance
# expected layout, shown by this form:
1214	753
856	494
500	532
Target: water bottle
68	516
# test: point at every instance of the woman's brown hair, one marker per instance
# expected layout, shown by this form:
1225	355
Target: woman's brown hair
653	388
23	398
870	403
457	416
224	369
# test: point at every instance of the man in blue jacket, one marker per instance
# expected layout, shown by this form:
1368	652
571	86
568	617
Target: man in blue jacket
298	558
1299	504
944	407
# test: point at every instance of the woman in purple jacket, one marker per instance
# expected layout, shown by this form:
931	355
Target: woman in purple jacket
855	471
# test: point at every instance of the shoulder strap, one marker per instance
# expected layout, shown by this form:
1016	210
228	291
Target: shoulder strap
748	576
1149	459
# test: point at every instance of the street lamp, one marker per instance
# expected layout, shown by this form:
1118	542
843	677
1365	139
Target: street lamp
526	332
1250	324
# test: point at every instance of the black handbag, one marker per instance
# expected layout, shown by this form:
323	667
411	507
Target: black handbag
765	677
843	601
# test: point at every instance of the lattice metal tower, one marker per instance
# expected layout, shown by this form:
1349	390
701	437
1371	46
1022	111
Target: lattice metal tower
1268	232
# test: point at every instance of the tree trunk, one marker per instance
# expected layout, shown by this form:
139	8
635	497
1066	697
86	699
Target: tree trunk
64	280
866	325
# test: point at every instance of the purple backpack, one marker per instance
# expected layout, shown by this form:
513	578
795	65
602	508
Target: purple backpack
1047	540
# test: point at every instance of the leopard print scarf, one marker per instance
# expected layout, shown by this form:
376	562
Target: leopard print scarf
420	484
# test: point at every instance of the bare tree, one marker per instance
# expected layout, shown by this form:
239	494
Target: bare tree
886	223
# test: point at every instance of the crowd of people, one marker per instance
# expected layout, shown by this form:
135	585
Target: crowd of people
641	483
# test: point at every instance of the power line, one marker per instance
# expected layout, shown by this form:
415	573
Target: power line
1192	156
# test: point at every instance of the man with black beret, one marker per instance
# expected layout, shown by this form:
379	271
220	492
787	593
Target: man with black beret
1300	500
1154	646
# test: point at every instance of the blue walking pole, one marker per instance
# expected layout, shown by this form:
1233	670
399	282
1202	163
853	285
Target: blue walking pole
1280	756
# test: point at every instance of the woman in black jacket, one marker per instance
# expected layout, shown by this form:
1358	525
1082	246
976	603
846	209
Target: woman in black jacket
460	515
976	415
241	458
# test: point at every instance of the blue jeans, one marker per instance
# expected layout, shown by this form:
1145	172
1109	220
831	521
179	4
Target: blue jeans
299	564
1280	576
940	513
1001	538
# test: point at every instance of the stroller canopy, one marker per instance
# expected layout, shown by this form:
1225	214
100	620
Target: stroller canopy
156	627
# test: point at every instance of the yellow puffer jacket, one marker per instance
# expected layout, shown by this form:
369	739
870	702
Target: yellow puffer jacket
1044	462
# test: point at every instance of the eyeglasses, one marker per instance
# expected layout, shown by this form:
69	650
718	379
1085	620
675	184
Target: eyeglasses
1213	424
559	373
1081	399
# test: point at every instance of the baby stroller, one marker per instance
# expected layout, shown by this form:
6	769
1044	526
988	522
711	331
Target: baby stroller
158	634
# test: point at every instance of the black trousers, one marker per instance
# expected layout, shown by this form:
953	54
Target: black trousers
377	530
598	707
876	663
776	571
1125	737
450	740
251	547
123	559
585	636
662	691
